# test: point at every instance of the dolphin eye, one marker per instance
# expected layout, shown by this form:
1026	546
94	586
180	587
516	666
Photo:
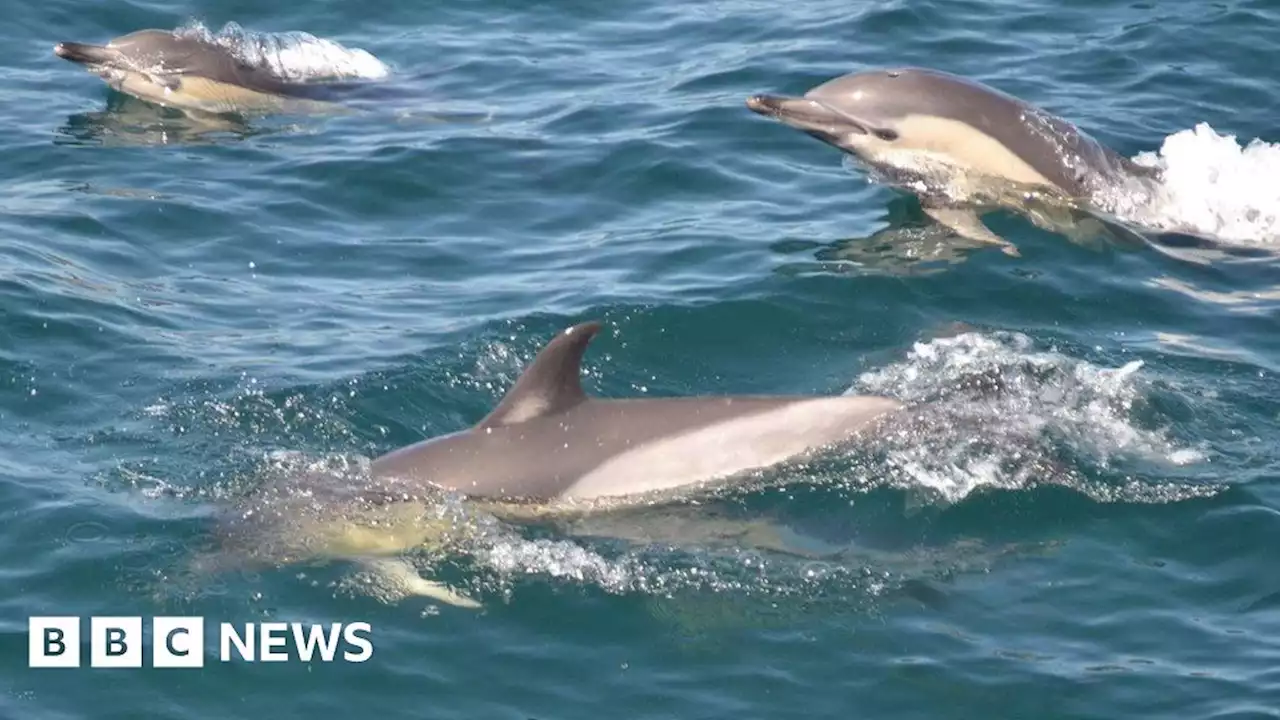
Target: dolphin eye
885	135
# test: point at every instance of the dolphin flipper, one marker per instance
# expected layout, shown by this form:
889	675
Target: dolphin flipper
398	575
966	223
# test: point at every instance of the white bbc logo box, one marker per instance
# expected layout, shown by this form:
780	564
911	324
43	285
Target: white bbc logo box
115	642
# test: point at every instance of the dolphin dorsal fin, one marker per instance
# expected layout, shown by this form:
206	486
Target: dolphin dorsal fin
552	383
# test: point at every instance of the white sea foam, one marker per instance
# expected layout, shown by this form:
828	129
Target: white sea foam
992	410
296	56
1212	186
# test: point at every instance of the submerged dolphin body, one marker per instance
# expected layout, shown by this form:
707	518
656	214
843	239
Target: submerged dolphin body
191	73
957	144
547	449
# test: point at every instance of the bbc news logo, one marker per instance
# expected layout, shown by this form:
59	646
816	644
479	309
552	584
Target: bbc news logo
178	642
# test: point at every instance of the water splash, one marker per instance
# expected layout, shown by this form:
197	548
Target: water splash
992	411
1211	186
989	410
296	56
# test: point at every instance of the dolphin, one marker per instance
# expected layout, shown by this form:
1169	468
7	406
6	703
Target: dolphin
547	449
548	441
958	145
190	73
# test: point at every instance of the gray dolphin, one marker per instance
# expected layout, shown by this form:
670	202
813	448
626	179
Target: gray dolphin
957	144
548	441
190	73
547	450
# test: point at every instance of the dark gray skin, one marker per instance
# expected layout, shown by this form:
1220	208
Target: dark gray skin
548	440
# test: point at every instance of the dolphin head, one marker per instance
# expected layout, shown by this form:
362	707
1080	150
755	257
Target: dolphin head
146	52
862	113
148	63
141	50
919	123
168	68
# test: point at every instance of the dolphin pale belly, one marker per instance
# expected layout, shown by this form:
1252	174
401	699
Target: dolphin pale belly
189	72
959	145
546	450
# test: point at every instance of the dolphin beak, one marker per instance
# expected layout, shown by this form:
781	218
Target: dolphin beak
804	114
84	54
763	104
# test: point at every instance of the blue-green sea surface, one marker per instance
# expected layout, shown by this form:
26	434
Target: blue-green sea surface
1079	519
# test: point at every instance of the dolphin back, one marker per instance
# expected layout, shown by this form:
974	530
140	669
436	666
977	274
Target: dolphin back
1056	148
547	440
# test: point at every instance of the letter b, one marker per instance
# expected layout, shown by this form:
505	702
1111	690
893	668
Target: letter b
115	642
53	642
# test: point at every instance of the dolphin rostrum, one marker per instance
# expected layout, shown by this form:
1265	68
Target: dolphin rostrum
189	72
548	449
957	144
